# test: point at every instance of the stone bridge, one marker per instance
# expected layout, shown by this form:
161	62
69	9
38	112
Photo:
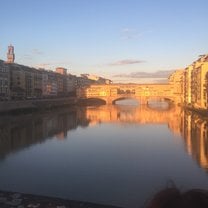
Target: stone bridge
141	92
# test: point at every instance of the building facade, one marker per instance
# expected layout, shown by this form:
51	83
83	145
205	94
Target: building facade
4	82
17	82
176	79
187	84
198	82
61	70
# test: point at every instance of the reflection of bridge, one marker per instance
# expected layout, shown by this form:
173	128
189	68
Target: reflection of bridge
137	115
19	132
142	92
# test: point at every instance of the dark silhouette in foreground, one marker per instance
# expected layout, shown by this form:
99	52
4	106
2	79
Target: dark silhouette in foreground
174	198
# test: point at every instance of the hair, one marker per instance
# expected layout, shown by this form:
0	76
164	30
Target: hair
174	198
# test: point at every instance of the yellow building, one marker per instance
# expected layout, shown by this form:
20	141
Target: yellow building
199	83
176	79
187	84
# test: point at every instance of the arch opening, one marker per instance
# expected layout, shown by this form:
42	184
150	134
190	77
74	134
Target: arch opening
159	104
95	101
126	101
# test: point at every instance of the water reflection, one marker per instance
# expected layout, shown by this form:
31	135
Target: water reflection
195	134
116	151
135	114
17	132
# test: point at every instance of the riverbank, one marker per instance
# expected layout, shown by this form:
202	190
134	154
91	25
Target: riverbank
20	200
33	105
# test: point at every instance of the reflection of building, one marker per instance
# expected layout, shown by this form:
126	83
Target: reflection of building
140	115
196	138
18	133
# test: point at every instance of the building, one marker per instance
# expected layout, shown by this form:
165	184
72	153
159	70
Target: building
61	70
38	83
10	54
71	83
4	81
176	79
96	79
50	84
199	74
83	81
187	84
29	82
61	84
196	138
17	82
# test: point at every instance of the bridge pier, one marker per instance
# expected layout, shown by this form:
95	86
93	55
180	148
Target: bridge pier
108	101
143	101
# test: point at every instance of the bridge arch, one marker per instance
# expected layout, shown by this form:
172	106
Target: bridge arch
140	92
160	104
124	98
95	101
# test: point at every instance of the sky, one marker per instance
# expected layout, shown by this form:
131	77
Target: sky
115	39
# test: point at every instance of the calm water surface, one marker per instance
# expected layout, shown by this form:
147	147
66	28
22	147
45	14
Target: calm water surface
119	155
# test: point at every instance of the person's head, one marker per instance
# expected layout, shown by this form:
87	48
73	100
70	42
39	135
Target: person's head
174	198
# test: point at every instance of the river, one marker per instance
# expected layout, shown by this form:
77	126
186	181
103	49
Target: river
112	154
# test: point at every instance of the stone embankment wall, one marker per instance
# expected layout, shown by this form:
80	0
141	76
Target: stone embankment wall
8	106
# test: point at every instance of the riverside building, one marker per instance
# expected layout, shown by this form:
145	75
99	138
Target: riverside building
4	81
199	92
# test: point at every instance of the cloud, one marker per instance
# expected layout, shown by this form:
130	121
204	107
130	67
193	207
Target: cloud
36	51
51	65
128	34
31	54
158	74
131	34
126	62
27	57
43	65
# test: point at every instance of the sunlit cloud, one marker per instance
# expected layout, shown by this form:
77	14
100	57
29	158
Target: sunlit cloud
43	65
52	65
158	74
126	62
143	77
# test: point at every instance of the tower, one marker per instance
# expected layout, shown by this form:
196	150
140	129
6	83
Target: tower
10	54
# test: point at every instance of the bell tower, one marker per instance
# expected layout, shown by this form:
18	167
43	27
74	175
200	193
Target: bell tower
10	54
